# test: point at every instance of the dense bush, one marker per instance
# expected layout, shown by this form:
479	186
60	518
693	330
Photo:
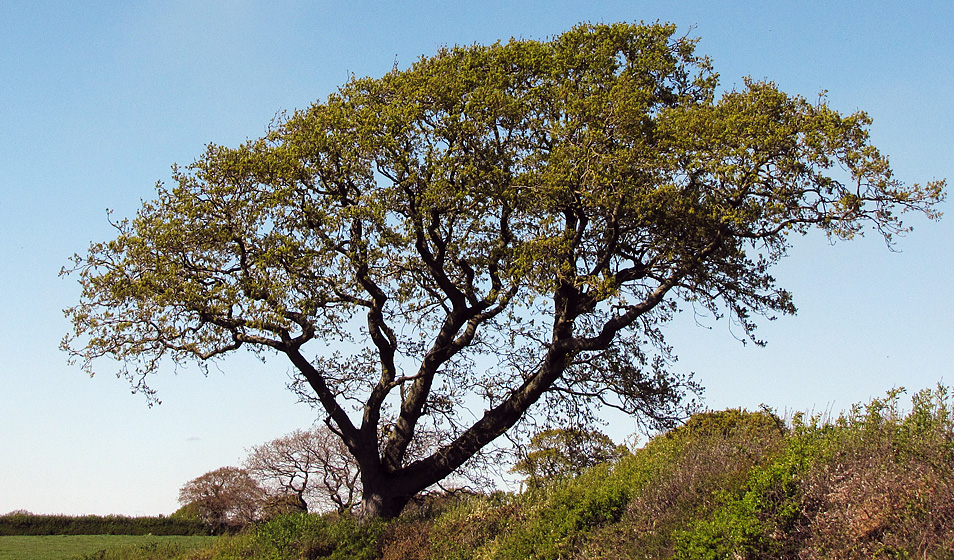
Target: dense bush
627	509
885	484
683	476
876	483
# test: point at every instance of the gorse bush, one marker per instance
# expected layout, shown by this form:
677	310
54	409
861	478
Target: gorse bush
555	520
737	484
627	508
885	489
875	483
683	476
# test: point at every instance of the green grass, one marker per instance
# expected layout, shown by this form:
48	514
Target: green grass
67	547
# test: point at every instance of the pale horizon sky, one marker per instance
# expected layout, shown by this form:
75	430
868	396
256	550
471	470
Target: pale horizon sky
99	99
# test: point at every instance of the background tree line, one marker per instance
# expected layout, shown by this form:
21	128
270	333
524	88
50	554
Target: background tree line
306	470
312	471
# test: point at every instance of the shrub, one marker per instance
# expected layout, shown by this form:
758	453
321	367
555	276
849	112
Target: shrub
875	483
888	490
475	524
407	541
684	476
553	521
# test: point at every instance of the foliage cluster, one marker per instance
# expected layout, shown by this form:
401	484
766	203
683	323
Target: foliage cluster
23	523
875	483
557	452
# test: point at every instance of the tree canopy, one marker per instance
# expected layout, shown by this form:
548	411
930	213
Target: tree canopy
439	250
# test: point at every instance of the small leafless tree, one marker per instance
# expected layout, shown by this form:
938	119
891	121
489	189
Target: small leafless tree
313	465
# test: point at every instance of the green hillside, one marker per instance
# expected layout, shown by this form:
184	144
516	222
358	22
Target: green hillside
877	482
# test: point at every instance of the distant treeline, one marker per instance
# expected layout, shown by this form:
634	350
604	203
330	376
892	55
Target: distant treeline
20	523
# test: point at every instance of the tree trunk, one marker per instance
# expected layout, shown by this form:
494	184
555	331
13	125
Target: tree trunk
383	499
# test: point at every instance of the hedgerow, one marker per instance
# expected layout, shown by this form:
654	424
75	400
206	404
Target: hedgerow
24	523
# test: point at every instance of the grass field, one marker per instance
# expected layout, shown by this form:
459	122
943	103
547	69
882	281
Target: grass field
63	547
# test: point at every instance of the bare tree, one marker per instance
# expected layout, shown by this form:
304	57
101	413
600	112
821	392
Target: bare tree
313	465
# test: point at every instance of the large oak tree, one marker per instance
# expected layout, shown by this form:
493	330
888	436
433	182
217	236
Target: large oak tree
439	250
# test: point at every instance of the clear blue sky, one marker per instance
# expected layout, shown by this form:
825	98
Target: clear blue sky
98	99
